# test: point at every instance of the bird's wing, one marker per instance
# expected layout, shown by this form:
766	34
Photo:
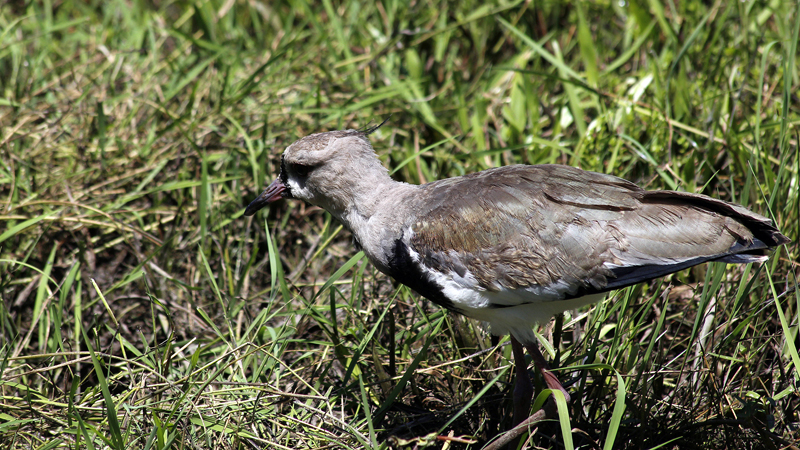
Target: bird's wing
556	232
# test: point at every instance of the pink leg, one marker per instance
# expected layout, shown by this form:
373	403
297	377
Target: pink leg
523	389
538	360
523	393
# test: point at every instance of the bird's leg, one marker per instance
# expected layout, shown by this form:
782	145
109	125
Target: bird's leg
538	360
523	389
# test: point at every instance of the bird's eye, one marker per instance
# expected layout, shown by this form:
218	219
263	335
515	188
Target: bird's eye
302	170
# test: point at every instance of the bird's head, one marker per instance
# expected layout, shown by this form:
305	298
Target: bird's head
321	169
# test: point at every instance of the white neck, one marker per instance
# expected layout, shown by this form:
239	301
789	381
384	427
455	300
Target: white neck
372	212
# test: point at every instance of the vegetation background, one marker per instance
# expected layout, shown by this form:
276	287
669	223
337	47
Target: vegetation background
140	309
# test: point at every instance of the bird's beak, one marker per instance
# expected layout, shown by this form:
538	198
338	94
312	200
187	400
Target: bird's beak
273	192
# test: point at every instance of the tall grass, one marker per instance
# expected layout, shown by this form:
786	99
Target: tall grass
140	309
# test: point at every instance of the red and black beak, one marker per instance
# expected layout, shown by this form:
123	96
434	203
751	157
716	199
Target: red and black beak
275	191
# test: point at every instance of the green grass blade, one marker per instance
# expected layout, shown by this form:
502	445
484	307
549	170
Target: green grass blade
389	401
21	226
117	440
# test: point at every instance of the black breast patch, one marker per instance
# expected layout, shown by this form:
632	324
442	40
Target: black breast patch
403	269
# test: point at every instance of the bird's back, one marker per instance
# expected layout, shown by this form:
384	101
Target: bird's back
557	232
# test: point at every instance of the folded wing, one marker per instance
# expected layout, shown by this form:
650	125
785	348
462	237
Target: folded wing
555	232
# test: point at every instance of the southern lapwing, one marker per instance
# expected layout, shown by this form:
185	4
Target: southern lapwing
515	245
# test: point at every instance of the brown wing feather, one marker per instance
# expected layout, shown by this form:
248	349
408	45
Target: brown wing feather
572	232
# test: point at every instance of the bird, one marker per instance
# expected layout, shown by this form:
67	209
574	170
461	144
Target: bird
515	245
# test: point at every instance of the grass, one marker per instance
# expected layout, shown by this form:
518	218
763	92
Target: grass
140	309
